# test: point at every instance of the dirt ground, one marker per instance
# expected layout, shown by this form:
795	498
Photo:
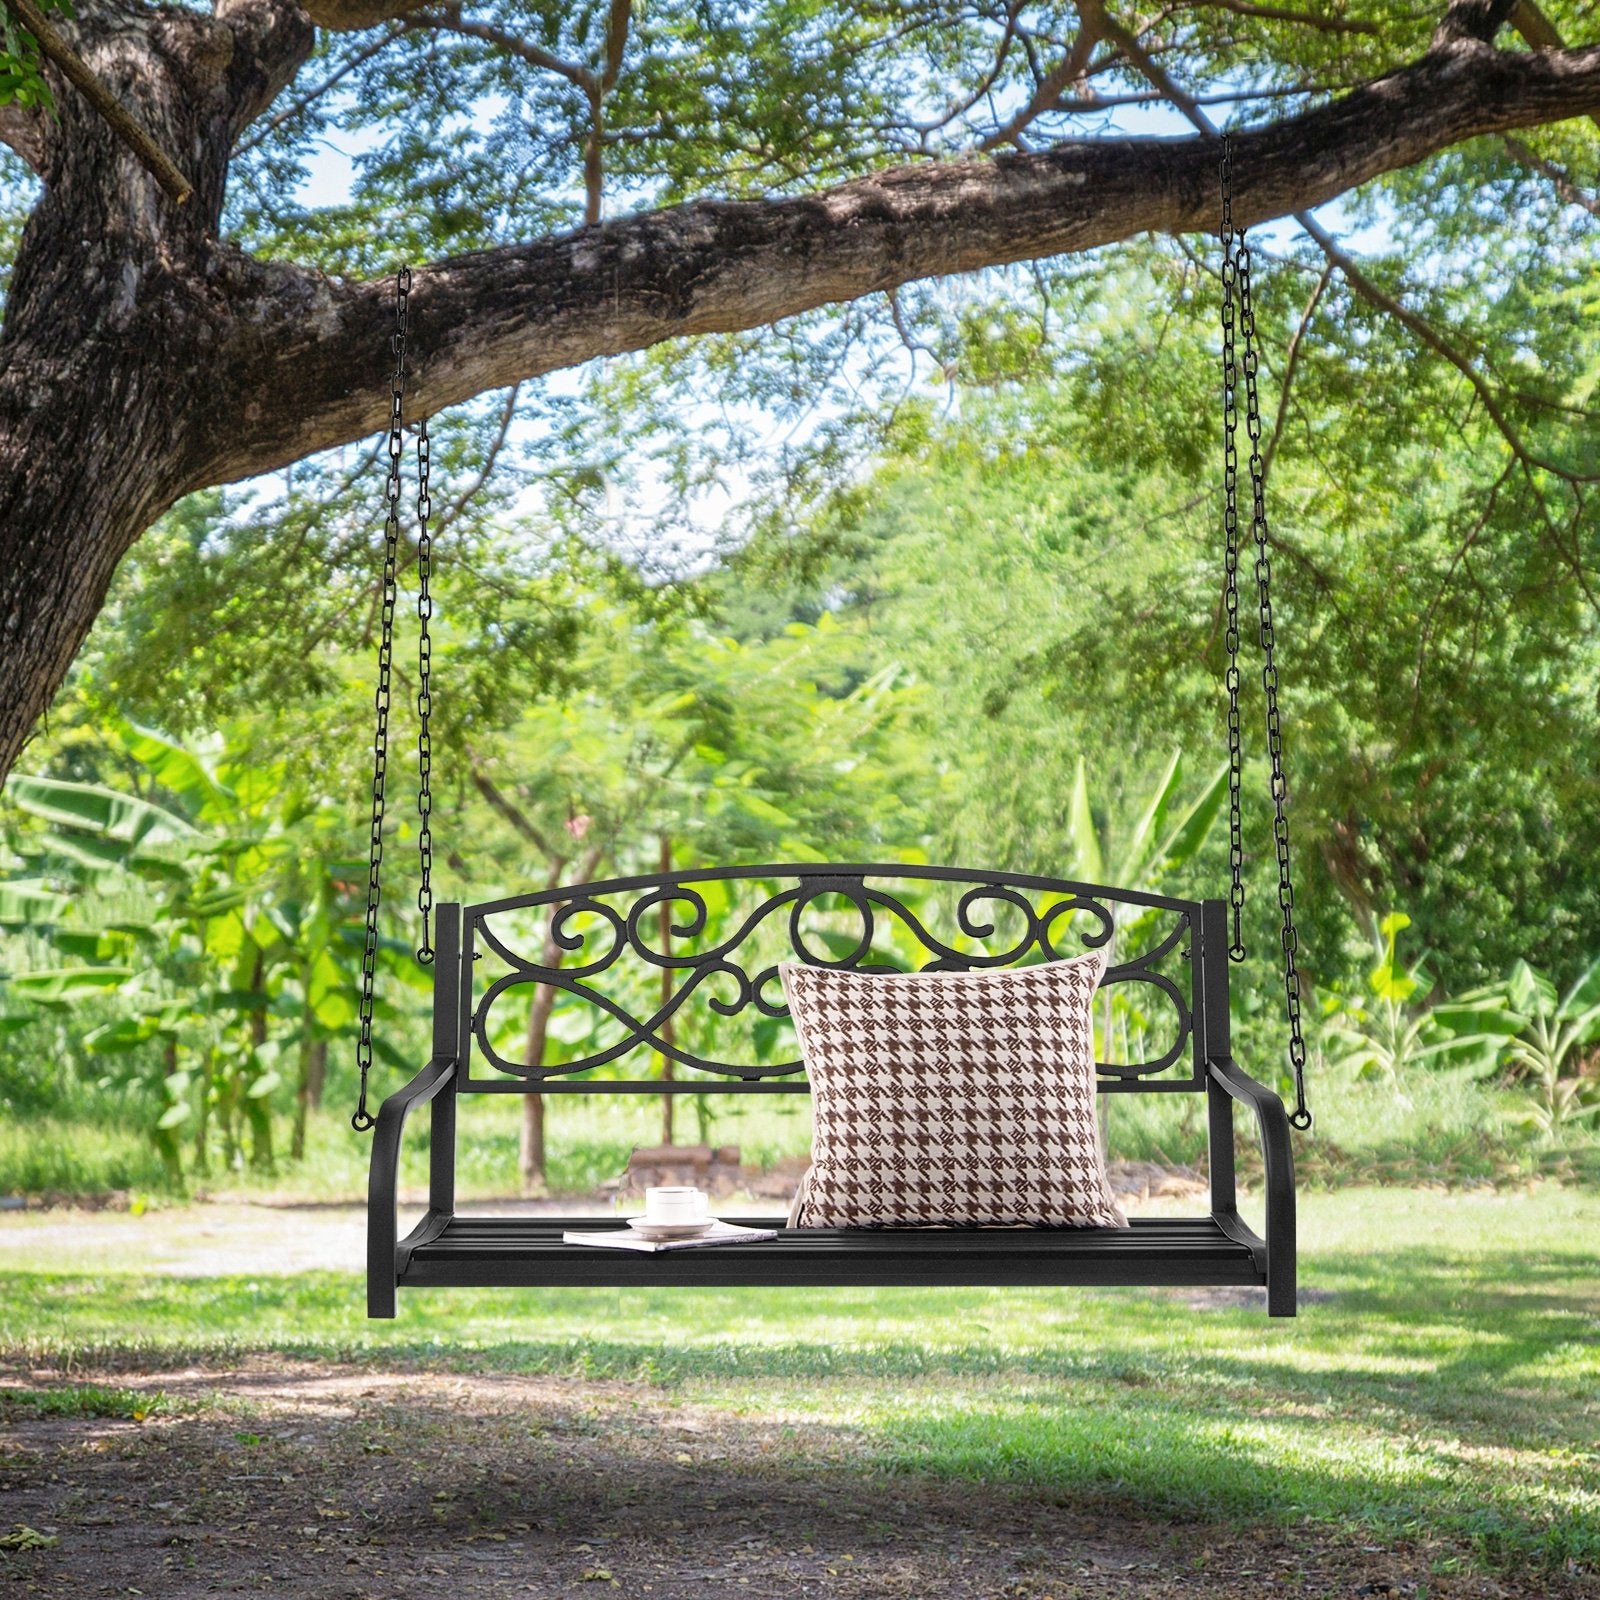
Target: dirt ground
326	1483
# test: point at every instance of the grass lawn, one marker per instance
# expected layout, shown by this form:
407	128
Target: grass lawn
1442	1385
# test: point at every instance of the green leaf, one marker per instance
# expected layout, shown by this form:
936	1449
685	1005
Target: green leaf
245	1000
96	809
1194	827
173	1115
176	768
1142	839
1387	984
86	944
119	1037
1584	994
27	903
1531	992
61	984
1087	865
263	1086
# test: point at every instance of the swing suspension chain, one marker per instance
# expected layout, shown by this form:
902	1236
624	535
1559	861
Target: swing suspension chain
424	696
1230	590
363	1119
1236	254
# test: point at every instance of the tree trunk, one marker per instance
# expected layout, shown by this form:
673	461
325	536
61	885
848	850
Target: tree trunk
531	1155
116	322
313	1074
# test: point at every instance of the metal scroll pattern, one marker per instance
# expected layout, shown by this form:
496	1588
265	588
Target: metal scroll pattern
728	954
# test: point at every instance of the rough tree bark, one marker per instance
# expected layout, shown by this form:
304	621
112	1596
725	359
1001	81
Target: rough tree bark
142	358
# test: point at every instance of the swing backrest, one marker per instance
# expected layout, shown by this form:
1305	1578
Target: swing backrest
682	967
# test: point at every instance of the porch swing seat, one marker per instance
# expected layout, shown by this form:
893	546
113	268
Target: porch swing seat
1176	964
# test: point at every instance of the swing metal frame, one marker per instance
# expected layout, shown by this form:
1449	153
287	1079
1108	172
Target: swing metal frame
1186	968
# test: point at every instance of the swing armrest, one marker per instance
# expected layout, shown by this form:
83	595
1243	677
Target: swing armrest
1272	1123
384	1177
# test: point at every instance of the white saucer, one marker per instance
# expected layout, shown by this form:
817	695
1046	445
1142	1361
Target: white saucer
669	1230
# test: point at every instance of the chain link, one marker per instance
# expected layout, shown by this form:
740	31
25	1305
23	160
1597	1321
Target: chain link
1230	587
424	696
362	1120
1239	283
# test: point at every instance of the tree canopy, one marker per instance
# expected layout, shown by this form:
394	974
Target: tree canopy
582	182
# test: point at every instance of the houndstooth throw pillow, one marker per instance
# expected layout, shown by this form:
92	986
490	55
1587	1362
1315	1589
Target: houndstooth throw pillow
952	1098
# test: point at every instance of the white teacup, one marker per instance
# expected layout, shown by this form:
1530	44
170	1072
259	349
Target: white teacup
674	1204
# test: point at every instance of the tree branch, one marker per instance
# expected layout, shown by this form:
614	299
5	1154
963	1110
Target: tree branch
601	84
513	813
1055	83
305	101
316	347
127	128
1301	19
351	16
450	20
1560	180
1290	362
1468	20
1539	32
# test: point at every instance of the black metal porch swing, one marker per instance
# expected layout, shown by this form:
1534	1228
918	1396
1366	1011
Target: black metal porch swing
1185	951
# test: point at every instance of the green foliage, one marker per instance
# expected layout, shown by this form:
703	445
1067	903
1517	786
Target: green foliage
22	80
1551	1039
221	921
1391	1031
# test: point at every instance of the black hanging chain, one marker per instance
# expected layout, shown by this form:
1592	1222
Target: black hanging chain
1300	1117
424	696
363	1119
1230	587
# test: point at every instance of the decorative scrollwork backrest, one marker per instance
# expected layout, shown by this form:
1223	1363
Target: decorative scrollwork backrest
684	966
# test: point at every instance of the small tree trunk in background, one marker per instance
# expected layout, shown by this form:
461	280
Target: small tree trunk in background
167	1138
535	1179
318	1079
259	1115
313	1074
202	1123
666	995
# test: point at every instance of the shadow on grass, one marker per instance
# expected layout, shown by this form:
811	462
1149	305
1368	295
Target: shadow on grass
1437	1389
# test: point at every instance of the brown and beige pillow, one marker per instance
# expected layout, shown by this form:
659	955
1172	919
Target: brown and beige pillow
952	1098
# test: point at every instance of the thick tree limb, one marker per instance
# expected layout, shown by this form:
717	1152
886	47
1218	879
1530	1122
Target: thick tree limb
23	128
1472	19
1538	31
350	16
488	320
127	128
